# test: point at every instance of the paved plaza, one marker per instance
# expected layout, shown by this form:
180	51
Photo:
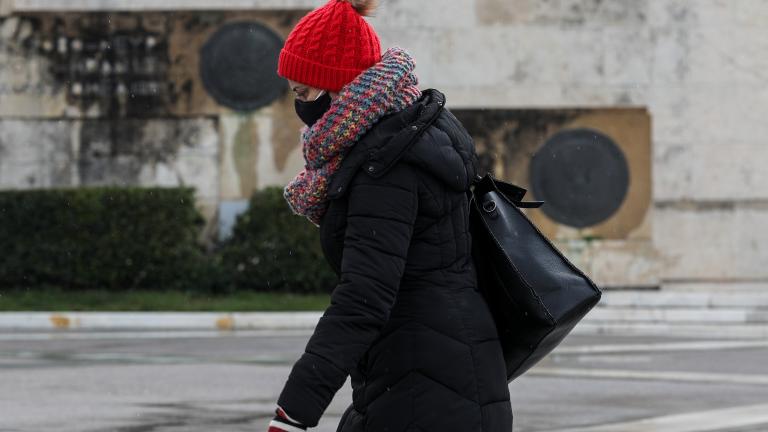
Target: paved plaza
213	381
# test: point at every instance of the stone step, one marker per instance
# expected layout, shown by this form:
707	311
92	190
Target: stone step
728	331
678	315
671	299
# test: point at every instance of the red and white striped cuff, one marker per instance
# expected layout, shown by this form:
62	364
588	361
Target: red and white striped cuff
281	412
278	426
284	423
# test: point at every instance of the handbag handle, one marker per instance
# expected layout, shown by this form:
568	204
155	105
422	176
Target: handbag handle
513	193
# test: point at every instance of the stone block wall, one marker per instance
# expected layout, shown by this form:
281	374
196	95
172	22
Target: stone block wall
93	98
696	67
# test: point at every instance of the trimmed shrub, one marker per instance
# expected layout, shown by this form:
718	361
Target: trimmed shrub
272	249
115	238
126	238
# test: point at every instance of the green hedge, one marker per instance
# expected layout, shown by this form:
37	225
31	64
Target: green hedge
271	249
119	238
100	237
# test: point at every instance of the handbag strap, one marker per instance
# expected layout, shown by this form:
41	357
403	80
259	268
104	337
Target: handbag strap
512	192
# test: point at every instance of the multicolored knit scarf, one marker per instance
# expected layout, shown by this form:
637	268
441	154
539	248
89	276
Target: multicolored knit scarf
386	87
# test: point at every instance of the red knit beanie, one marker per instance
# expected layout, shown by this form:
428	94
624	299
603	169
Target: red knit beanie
331	46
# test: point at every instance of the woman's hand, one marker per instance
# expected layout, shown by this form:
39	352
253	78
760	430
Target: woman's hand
283	423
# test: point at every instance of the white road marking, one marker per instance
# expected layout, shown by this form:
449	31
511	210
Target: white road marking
662	346
601	358
699	421
123	357
697	377
68	334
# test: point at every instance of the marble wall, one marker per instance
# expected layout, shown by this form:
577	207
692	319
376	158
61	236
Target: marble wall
696	67
93	98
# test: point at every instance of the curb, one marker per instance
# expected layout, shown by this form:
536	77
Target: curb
53	321
159	320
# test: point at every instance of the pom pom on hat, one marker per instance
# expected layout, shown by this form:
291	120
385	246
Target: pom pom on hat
331	45
364	7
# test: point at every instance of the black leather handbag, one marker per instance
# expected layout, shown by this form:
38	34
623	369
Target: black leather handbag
535	294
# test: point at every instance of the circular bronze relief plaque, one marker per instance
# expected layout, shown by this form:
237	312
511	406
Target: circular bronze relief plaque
582	175
238	66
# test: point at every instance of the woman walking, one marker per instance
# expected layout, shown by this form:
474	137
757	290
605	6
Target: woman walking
386	178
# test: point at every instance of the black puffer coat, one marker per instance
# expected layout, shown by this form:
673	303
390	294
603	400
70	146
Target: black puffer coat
406	321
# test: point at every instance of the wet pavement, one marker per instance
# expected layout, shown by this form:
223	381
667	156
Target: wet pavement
86	381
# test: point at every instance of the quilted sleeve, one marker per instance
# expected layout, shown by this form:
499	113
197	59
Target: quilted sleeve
380	218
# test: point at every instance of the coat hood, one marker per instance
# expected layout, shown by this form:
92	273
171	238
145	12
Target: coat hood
425	134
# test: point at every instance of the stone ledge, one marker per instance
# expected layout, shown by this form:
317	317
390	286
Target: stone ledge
153	5
669	315
731	331
159	320
716	297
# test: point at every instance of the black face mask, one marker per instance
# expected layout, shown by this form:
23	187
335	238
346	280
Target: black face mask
311	111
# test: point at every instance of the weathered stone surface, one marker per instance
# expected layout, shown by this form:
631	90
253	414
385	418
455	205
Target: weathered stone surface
420	43
405	14
507	139
168	153
25	88
729	171
113	65
238	161
731	286
35	154
563	13
698	67
6	7
628	57
544	96
457	55
708	55
573	56
189	32
615	263
148	5
250	158
717	241
284	140
130	152
709	115
710	13
624	263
